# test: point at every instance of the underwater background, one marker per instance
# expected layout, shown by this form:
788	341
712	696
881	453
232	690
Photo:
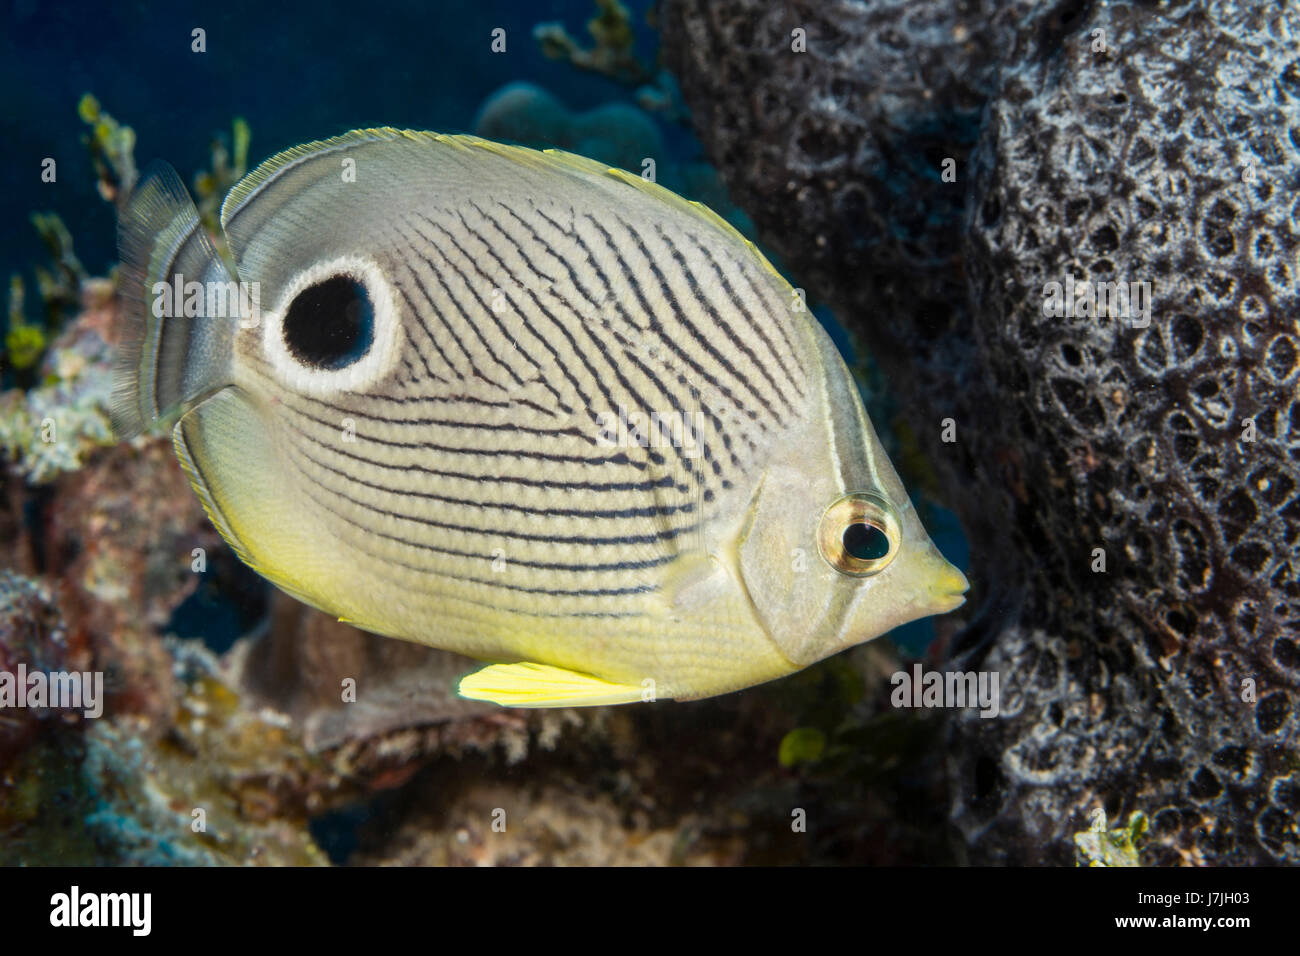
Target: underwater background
1149	710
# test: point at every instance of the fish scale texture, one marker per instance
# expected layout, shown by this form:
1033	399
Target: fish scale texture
1169	157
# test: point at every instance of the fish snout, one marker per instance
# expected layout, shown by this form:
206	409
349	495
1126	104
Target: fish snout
949	589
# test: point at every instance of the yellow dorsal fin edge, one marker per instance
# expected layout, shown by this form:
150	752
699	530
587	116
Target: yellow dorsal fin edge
554	158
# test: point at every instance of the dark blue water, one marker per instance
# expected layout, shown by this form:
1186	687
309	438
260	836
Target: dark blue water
296	71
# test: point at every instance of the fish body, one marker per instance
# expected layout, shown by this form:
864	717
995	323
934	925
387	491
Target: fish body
524	407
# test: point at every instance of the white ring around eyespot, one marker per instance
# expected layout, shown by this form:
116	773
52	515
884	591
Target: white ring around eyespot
361	374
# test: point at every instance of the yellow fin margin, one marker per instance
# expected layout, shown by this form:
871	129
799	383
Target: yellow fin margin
557	159
528	684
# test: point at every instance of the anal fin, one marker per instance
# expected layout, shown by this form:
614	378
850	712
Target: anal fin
528	684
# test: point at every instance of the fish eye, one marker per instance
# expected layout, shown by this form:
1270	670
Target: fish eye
331	324
859	534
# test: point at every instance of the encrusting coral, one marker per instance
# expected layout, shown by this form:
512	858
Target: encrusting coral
1128	483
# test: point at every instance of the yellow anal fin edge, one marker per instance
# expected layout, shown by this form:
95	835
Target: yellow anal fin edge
528	684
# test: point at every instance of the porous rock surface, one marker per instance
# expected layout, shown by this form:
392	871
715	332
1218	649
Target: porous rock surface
1092	142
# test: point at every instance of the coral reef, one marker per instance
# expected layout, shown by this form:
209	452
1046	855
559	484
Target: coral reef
1171	447
112	151
1118	847
51	428
223	785
61	291
229	165
1168	682
261	739
34	634
614	53
623	790
616	133
308	720
1088	142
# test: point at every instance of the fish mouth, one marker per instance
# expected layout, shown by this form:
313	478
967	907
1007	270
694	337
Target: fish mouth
945	603
949	590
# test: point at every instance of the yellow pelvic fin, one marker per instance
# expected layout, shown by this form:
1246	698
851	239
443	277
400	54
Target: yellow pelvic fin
527	684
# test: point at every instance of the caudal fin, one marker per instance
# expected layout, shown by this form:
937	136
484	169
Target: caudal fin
172	352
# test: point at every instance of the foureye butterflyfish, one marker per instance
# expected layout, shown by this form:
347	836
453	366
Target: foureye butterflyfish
521	406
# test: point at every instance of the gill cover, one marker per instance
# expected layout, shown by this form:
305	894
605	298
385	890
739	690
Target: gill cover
169	358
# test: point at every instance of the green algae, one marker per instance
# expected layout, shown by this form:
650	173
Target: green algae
801	745
112	151
613	54
1117	847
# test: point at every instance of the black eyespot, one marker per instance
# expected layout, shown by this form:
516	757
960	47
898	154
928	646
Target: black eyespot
331	324
866	542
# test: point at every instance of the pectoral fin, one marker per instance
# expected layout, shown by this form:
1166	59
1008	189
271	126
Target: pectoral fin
693	581
528	684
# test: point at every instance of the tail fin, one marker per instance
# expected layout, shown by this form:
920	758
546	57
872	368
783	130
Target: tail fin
170	357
